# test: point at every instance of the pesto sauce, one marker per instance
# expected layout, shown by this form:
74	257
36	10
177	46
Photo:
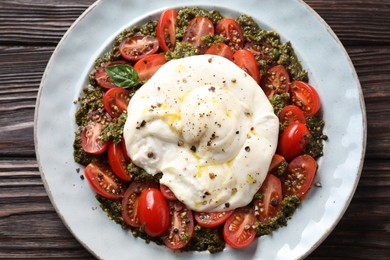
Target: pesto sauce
279	101
79	155
114	131
317	138
90	101
206	239
289	205
182	50
290	61
140	175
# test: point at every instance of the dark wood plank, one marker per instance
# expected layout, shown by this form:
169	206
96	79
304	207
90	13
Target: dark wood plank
29	31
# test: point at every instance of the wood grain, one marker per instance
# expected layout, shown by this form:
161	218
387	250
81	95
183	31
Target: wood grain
29	225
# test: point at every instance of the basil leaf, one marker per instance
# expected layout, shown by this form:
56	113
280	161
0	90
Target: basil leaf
123	76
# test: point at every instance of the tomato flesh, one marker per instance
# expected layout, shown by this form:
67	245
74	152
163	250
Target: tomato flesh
115	101
104	181
130	202
166	30
181	228
246	61
212	219
261	51
277	163
117	161
270	203
293	140
299	177
305	97
291	114
138	47
231	30
147	66
167	193
198	28
101	76
276	81
222	50
91	136
153	212
238	230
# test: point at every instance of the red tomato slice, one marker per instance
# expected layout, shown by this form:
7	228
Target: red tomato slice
125	154
212	219
270	204
115	101
277	161
291	114
246	61
117	161
167	193
305	97
276	81
104	181
181	228
293	140
238	230
91	137
222	50
138	47
102	77
166	30
261	51
300	176
130	202
198	28
153	212
231	30
147	66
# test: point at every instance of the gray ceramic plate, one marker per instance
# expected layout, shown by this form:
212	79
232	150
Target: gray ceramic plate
330	71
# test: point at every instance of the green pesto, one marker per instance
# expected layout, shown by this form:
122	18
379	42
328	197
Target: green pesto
140	175
282	168
316	140
279	101
212	39
91	100
206	239
186	14
182	50
290	61
114	131
79	155
289	205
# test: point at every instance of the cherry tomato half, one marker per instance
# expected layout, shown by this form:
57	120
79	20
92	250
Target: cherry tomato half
246	61
138	47
238	230
222	50
153	213
231	30
198	28
299	177
212	219
276	81
305	97
102	77
182	222
147	66
115	101
166	30
291	114
130	202
278	165
167	193
117	161
104	181
293	140
125	154
91	137
261	51
270	203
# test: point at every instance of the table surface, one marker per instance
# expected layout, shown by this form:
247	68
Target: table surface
29	33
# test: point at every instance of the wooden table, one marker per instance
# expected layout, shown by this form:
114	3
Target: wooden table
29	32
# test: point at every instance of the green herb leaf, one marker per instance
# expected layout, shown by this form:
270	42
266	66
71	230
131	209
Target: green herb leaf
123	76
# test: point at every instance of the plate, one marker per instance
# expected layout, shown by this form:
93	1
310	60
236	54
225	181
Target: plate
330	71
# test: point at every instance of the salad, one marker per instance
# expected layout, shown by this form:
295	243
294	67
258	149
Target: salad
141	202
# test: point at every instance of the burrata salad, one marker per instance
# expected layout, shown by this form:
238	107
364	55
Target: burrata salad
198	130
